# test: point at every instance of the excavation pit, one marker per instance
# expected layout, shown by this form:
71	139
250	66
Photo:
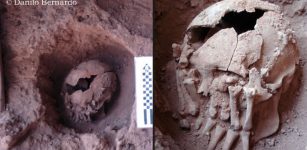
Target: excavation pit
66	84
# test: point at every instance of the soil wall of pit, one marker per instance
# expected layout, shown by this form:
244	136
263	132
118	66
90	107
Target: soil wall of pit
41	44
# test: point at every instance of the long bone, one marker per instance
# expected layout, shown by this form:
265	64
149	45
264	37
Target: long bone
234	112
209	126
230	139
245	139
218	135
254	93
185	91
211	121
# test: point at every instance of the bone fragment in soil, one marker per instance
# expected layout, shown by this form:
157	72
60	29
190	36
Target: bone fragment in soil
209	126
225	114
187	105
216	137
234	111
185	54
213	109
230	139
249	95
245	137
207	78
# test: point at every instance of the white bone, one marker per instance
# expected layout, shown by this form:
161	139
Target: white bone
209	126
245	140
234	112
212	109
247	52
249	95
230	139
206	81
215	139
185	98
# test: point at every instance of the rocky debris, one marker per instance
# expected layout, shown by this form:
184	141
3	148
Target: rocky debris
92	142
12	128
271	142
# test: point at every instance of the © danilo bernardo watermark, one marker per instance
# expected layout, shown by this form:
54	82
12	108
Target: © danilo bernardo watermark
42	2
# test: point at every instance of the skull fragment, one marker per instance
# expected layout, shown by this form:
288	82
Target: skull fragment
241	55
87	88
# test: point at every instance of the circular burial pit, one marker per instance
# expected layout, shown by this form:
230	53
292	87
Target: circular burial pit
90	90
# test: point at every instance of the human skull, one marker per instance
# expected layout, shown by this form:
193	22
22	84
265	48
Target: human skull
241	55
87	88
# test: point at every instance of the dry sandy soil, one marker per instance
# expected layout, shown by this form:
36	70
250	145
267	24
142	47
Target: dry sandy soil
41	44
171	20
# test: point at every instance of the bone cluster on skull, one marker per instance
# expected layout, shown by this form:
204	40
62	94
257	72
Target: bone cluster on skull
242	59
87	88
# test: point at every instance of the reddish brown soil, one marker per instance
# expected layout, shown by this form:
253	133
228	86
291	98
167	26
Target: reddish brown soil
41	44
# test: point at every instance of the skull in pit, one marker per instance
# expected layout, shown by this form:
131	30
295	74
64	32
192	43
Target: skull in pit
87	88
241	55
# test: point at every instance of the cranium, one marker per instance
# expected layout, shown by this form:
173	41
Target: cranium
87	88
241	55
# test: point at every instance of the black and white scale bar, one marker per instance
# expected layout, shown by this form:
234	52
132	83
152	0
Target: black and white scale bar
144	91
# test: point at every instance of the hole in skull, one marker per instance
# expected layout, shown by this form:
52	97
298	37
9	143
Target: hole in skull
241	22
99	87
83	85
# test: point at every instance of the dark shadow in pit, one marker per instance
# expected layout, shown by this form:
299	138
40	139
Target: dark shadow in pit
289	99
55	67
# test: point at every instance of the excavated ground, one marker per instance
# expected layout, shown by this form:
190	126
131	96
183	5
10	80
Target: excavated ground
41	44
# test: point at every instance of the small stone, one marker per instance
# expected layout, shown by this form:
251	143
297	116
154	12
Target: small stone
283	131
271	142
184	124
